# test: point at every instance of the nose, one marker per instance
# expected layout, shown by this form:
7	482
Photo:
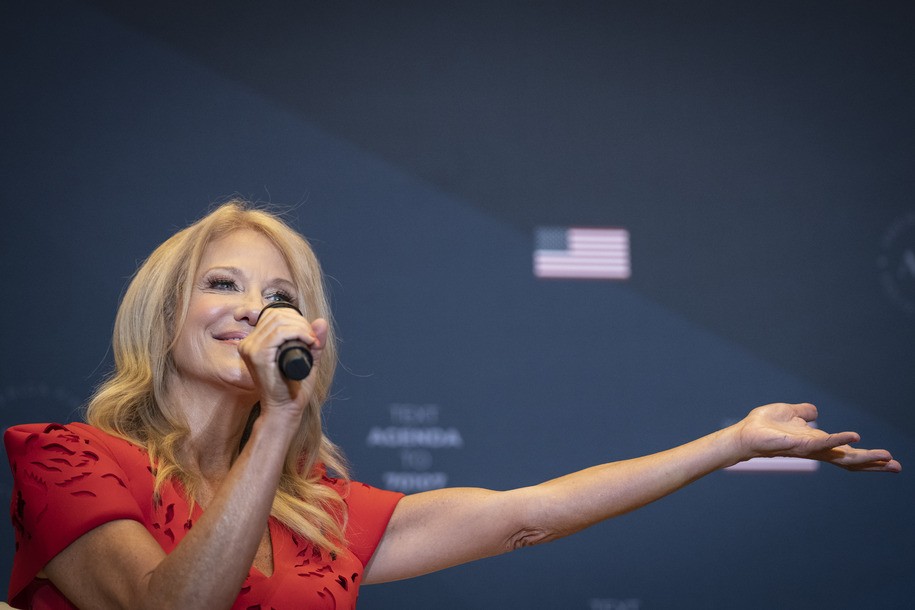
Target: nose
250	308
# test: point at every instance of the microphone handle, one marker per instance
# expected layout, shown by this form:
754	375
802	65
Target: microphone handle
295	360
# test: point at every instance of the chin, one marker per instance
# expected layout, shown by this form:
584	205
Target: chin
241	380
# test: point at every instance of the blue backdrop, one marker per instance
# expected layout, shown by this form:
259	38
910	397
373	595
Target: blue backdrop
759	156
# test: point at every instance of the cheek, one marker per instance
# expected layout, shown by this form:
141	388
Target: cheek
205	308
194	333
186	352
204	312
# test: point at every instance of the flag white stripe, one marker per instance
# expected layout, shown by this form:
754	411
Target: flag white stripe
621	253
583	273
596	232
556	269
581	264
620	262
597	238
594	248
622	239
559	255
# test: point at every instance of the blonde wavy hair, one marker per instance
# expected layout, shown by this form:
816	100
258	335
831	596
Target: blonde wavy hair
131	402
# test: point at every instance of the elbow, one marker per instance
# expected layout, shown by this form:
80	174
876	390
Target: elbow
535	523
545	515
529	536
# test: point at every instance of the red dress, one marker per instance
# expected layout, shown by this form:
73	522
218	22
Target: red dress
71	479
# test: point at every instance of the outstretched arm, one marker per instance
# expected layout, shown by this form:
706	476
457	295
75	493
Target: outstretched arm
437	529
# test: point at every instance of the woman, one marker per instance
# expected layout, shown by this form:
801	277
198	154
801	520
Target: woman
200	480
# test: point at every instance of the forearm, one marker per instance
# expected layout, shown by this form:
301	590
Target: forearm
208	568
565	505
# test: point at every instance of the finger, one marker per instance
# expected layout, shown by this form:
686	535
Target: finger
834	445
863	459
889	466
805	411
841	438
862	456
276	315
284	324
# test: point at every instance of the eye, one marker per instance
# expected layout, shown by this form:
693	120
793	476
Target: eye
221	283
281	296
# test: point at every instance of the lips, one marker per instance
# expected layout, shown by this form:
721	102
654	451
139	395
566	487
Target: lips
234	336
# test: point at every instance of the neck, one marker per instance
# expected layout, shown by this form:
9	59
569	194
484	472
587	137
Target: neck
216	421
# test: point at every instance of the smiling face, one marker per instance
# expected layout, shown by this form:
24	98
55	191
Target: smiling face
238	275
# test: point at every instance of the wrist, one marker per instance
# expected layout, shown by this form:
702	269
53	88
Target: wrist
733	449
279	426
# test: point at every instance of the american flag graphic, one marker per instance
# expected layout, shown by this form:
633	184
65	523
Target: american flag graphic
578	252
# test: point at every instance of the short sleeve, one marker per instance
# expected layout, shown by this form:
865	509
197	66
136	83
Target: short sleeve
65	483
369	509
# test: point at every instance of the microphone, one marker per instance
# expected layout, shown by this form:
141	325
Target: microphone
294	358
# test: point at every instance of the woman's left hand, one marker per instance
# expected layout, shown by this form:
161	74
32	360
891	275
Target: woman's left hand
781	429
